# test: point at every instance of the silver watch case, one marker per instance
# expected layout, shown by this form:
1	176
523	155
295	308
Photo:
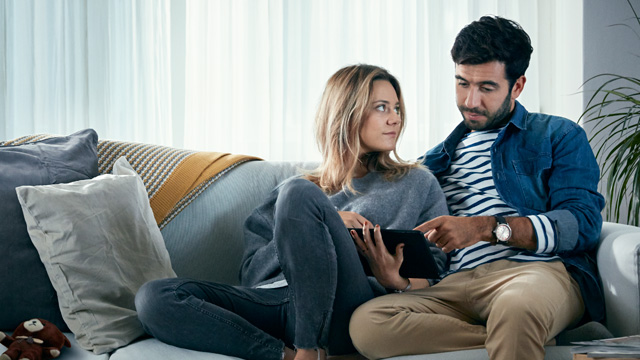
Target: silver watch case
502	231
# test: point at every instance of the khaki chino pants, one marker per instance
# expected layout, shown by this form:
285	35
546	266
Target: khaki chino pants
511	308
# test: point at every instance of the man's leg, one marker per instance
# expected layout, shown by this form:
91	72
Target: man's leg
525	304
430	320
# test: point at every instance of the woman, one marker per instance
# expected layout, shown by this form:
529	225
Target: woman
301	275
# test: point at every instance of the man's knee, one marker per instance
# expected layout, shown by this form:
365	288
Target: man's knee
369	327
361	323
516	306
523	302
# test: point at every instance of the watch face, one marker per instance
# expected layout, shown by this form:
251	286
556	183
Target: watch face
503	232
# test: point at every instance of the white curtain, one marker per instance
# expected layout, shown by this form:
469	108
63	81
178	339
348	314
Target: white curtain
70	65
245	76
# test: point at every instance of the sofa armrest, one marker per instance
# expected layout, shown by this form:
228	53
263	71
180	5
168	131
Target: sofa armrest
618	265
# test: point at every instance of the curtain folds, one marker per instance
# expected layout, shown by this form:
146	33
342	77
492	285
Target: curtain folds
245	76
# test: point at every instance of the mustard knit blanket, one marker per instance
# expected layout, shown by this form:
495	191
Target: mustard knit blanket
173	177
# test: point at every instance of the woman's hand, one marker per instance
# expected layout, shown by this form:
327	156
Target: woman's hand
385	267
352	219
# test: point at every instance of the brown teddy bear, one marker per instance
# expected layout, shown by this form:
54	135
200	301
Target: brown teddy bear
34	339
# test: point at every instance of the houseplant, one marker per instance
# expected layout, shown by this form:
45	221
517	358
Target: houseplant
614	110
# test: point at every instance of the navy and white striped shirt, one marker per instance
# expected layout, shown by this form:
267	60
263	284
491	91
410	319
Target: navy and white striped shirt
471	191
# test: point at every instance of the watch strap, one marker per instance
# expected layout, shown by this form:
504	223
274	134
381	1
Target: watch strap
500	219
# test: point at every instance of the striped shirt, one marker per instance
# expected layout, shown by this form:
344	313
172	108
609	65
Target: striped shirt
471	191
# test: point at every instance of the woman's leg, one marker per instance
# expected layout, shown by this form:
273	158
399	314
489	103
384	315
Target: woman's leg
321	265
205	316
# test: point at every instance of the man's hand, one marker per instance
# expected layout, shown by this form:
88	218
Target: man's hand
453	232
352	219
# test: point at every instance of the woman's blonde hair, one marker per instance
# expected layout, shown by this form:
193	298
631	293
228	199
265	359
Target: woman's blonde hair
344	105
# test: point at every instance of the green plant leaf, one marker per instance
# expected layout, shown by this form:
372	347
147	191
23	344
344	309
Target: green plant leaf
616	141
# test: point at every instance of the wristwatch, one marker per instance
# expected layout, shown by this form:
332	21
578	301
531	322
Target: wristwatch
398	291
502	231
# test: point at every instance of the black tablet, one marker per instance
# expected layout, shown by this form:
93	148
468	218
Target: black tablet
418	261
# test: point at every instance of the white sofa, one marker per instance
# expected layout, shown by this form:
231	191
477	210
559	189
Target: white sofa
204	241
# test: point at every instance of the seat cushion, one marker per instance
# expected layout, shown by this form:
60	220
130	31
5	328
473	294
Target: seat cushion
552	353
155	349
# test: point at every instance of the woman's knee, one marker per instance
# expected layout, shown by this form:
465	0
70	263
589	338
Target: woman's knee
298	192
297	188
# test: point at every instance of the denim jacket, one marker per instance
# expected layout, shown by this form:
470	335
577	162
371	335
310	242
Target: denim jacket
543	164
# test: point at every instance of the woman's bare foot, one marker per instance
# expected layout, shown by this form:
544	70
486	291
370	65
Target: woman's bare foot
322	354
289	354
304	354
307	354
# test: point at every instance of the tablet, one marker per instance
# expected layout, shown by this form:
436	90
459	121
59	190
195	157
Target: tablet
418	261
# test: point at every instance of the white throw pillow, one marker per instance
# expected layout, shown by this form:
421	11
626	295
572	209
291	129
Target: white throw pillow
99	243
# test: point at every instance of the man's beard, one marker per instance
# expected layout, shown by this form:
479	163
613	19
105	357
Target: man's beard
494	121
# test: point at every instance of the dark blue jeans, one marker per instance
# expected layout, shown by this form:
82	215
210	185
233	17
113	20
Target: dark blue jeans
326	283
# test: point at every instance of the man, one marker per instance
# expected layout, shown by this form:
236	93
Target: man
522	189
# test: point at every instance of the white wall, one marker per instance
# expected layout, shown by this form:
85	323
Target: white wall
609	49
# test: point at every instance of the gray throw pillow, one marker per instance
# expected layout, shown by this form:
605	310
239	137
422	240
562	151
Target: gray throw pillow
99	242
25	289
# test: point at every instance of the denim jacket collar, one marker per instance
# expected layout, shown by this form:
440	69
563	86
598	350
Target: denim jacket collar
519	117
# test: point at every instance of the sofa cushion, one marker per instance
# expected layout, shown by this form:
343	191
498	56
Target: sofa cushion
26	290
619	268
551	353
155	349
99	243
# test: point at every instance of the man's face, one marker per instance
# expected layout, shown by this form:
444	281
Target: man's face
483	95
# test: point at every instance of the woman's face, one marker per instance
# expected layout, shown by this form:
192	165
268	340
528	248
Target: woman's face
381	126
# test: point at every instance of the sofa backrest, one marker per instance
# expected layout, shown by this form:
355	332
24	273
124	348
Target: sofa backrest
205	240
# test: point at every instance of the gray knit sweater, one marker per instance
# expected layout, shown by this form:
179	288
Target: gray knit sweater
400	204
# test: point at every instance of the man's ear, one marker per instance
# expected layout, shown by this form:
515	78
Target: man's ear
518	86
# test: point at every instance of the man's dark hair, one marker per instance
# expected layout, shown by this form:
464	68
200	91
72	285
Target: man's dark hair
492	38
